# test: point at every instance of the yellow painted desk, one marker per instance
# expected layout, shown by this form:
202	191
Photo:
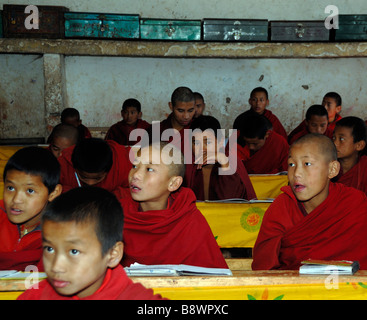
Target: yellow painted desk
243	285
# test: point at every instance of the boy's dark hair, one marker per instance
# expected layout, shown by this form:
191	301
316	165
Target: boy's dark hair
357	125
316	110
36	161
131	103
198	95
205	122
335	96
260	89
89	205
182	94
254	126
92	155
69	113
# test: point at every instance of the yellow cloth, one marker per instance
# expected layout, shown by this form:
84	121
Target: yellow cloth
268	186
234	224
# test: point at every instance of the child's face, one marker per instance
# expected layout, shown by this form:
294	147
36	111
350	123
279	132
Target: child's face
150	180
90	178
59	144
183	112
199	107
309	174
25	196
317	124
204	143
255	144
332	108
72	258
343	140
130	115
258	102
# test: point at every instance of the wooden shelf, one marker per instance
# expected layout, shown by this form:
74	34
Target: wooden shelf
169	49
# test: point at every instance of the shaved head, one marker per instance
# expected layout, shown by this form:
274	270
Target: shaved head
324	144
167	154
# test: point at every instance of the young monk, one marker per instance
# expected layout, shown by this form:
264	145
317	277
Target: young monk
332	101
199	104
172	129
314	218
82	240
31	180
162	223
350	142
62	137
316	122
131	119
95	162
72	116
203	175
259	101
262	150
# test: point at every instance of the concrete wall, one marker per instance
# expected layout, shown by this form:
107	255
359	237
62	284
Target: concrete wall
96	86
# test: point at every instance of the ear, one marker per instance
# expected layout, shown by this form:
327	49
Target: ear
122	114
170	106
174	183
334	168
54	194
267	134
338	109
115	254
360	145
140	114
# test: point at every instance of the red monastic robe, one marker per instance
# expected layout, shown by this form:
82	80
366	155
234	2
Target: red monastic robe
236	185
270	159
116	286
335	230
16	252
177	235
356	177
120	132
117	176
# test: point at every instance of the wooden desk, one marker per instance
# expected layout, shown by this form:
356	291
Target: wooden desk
243	285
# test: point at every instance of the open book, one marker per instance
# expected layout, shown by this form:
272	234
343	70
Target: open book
328	267
137	269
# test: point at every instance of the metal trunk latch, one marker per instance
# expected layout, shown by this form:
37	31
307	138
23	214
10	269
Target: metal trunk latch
170	30
300	30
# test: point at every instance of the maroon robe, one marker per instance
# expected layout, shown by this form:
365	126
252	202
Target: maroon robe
236	185
120	132
356	177
270	159
177	235
335	230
